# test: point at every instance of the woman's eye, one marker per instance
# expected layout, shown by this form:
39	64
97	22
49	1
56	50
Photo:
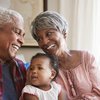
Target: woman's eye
38	39
49	33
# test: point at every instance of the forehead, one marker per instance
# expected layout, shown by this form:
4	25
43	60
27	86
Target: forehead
19	23
41	60
45	31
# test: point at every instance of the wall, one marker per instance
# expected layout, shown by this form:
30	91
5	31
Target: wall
65	8
29	51
60	6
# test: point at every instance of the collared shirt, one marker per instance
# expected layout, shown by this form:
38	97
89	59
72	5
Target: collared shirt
8	84
18	73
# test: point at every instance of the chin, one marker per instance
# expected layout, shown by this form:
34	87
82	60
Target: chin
12	56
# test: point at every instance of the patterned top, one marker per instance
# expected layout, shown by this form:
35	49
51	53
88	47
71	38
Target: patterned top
18	73
83	81
51	94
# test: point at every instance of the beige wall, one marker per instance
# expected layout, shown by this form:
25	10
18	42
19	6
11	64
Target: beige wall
28	52
54	5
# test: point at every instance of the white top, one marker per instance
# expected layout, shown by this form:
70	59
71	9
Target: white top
51	94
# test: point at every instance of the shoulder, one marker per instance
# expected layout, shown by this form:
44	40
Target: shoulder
85	57
19	61
20	64
79	54
56	86
78	57
29	89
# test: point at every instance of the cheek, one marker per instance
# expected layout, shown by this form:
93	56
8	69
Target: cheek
40	44
28	75
47	74
4	45
44	73
13	37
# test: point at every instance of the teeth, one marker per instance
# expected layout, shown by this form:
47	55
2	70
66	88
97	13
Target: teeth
50	46
16	47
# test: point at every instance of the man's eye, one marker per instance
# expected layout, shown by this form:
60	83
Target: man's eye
17	31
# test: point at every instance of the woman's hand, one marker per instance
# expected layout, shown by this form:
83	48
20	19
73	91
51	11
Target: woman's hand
90	96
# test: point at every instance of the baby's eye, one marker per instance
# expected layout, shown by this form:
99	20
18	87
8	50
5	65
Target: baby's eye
31	68
40	68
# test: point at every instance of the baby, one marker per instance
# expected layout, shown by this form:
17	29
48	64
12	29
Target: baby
41	73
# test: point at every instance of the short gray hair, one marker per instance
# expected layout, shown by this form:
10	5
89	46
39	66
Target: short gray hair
46	20
8	16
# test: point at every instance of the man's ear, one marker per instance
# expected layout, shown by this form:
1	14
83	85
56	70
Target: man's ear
53	74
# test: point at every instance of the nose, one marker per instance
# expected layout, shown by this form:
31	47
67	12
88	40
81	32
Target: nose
34	71
21	39
44	41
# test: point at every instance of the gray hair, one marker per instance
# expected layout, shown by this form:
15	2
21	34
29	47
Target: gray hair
8	16
46	20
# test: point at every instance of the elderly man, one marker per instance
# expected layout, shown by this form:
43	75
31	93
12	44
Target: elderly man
12	70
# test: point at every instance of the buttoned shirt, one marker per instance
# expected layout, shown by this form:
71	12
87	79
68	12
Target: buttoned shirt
18	73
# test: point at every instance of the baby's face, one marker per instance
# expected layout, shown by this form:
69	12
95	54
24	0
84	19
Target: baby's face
40	72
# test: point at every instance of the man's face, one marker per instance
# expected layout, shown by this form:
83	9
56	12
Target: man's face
11	39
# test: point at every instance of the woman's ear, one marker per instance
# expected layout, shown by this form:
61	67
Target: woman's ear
53	74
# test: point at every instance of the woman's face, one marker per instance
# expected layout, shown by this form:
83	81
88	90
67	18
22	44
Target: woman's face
51	41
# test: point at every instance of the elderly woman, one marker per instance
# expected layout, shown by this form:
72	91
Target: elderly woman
78	72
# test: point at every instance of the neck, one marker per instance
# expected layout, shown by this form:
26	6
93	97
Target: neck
44	87
1	61
64	54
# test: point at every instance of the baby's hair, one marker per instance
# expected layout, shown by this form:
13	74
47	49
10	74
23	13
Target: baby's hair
53	61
